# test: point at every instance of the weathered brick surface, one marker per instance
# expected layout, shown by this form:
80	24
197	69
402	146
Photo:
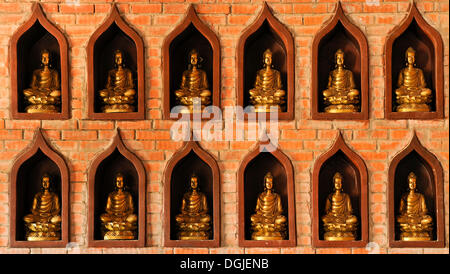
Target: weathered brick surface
79	140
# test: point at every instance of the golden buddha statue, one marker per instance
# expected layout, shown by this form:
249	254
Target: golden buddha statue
118	96
194	84
193	222
268	223
44	94
119	221
339	223
412	94
415	224
341	95
44	222
267	91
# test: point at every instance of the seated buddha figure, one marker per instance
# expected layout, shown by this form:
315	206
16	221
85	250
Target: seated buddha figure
412	93
119	221
341	95
267	91
339	223
44	94
268	223
194	222
415	224
194	84
119	93
44	222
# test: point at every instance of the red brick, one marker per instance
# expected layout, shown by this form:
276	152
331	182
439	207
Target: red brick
146	8
79	8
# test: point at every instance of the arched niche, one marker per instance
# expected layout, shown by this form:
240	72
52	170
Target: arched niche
415	32
265	157
26	176
114	34
416	158
191	33
26	44
339	33
191	158
340	158
116	158
266	33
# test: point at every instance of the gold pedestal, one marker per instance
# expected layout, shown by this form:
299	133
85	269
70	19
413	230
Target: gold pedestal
41	108
413	108
194	231
119	235
339	236
267	108
43	232
341	109
118	108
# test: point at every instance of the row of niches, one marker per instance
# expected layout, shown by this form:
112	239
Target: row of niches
265	69
39	198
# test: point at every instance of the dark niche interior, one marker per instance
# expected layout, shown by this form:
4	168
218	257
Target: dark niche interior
29	47
180	184
254	175
179	50
337	38
351	185
109	41
262	39
413	162
29	183
105	184
416	38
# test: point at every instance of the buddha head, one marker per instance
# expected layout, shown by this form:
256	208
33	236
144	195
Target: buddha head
194	58
194	181
119	181
339	57
268	181
410	56
45	57
45	181
267	57
412	181
118	57
337	180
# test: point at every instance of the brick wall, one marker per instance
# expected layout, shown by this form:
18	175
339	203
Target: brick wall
79	140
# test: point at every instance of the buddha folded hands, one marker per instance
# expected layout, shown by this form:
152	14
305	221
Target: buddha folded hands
341	95
44	94
194	222
119	93
44	222
267	91
413	219
339	223
119	221
194	84
412	93
268	223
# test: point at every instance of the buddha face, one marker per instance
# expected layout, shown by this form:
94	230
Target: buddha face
46	182
337	182
412	182
268	58
339	58
45	58
118	58
269	183
194	182
119	181
194	58
410	57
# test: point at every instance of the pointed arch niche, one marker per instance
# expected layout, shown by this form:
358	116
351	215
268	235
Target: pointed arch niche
339	33
26	175
116	158
191	158
265	157
416	158
267	32
26	44
415	32
190	34
114	34
340	158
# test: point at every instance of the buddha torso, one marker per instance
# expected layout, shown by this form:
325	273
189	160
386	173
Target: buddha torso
413	205
46	204
339	204
341	79
194	203
119	79
268	80
411	78
194	80
269	204
119	204
45	79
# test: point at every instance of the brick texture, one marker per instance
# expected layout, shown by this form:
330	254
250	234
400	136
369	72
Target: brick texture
303	140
